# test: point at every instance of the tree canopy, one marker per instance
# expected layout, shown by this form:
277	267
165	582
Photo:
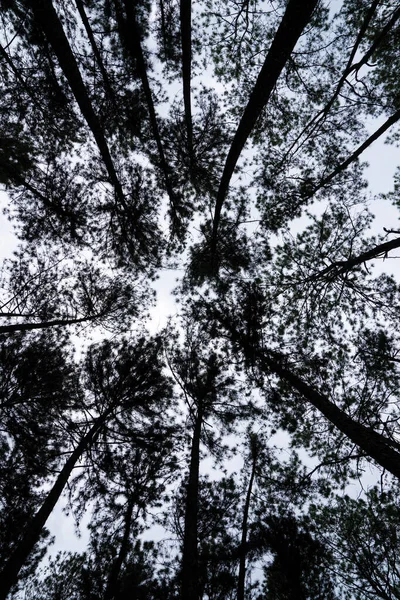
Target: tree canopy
250	447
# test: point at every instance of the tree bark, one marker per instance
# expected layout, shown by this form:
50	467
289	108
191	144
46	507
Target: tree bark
295	19
190	562
9	575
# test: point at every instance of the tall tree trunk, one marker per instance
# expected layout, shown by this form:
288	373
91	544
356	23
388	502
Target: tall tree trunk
190	559
378	447
242	560
107	85
130	37
47	18
374	444
297	16
111	589
9	574
186	38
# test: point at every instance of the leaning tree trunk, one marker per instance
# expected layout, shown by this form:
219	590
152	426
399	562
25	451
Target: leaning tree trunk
341	267
46	17
190	559
297	16
374	444
9	574
381	449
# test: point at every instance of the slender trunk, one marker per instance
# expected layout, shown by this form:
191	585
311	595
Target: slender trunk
186	37
9	574
350	67
130	37
318	119
43	325
190	562
47	18
242	560
111	589
343	166
295	19
375	445
378	40
107	85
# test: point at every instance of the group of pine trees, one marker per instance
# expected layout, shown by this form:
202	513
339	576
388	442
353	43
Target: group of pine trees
250	449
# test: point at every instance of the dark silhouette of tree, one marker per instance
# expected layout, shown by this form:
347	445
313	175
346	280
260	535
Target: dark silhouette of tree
225	139
296	569
39	386
255	449
346	525
209	392
126	381
41	291
81	576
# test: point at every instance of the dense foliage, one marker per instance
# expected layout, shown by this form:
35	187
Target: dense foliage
250	447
